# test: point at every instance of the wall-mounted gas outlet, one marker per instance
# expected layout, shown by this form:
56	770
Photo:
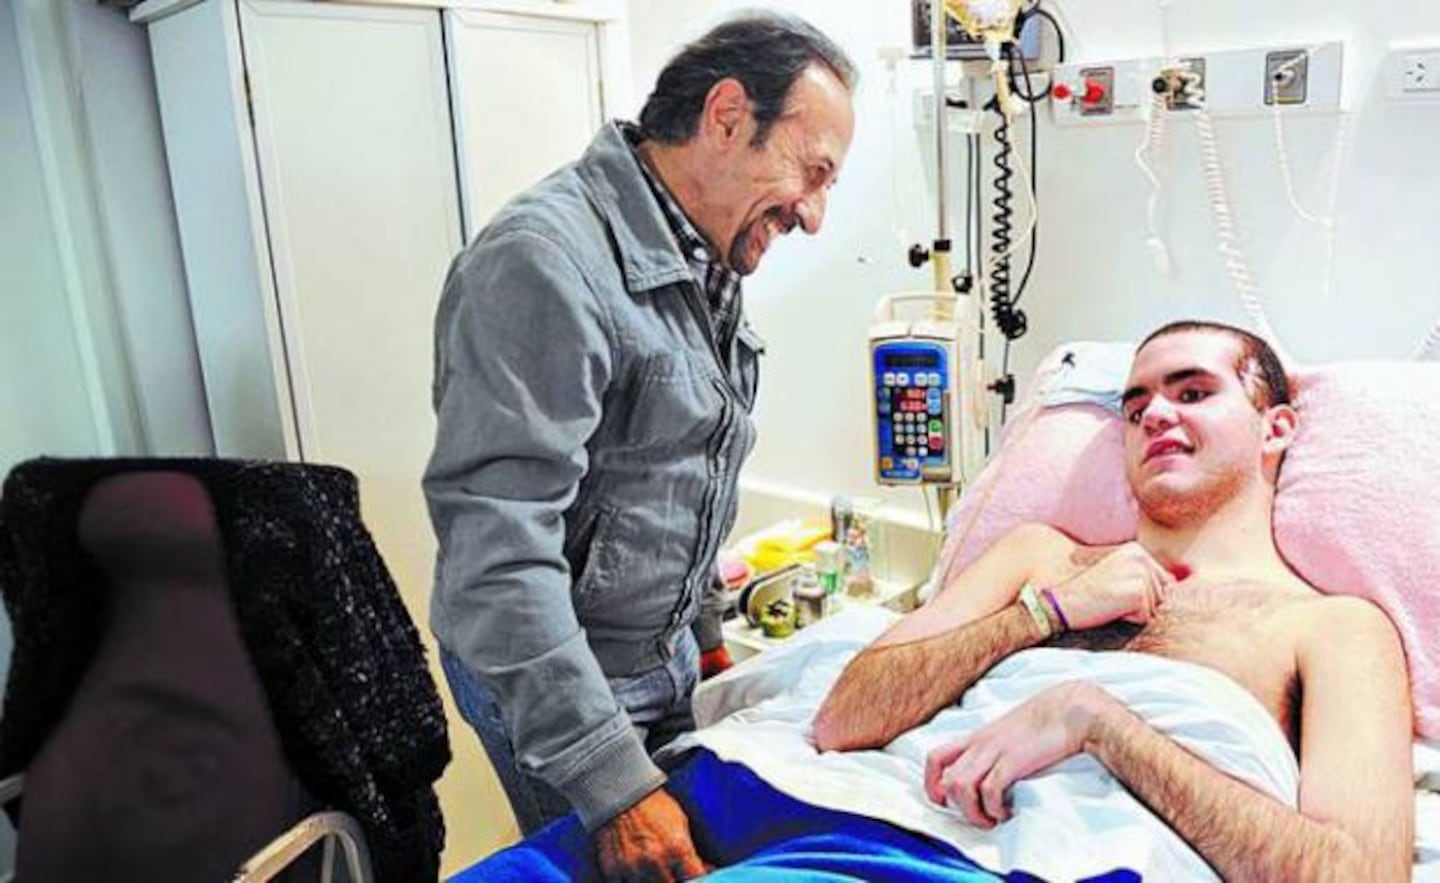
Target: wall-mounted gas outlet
1098	99
1184	84
1287	76
1230	82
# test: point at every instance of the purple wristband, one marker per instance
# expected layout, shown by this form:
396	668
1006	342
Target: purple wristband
1055	606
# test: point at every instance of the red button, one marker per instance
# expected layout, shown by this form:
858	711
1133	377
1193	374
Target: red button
1061	92
1094	93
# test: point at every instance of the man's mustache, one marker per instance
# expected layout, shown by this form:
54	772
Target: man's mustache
785	220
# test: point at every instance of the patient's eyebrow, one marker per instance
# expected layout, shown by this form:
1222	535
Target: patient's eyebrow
1171	379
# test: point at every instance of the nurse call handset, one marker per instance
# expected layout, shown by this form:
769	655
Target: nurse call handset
914	415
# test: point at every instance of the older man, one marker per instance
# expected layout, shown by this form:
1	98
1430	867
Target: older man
594	377
1209	421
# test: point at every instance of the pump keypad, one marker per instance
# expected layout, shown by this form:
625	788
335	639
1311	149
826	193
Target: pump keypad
911	417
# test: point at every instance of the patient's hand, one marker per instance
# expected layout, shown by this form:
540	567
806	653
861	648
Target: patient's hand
650	841
1128	583
974	774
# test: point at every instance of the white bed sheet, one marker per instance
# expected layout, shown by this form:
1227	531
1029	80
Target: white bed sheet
1073	820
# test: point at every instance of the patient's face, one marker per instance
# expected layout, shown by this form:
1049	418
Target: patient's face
1193	438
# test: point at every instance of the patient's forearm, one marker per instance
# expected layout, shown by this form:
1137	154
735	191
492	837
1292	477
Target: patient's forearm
889	689
1242	833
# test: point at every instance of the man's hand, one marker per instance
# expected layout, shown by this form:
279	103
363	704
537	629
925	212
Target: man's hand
974	773
1126	584
650	841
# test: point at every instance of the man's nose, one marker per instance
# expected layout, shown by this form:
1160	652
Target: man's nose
1159	414
811	211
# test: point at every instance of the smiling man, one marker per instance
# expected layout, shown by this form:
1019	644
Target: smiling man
594	378
1209	421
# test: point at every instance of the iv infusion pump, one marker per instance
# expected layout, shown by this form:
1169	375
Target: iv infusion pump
916	368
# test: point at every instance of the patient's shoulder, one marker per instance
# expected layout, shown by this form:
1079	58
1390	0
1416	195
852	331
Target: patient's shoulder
1048	552
1336	627
1328	615
1037	536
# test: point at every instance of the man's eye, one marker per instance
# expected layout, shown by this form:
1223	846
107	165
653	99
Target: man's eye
1191	396
1133	415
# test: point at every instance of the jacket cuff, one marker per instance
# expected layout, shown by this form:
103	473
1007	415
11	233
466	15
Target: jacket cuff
708	633
613	779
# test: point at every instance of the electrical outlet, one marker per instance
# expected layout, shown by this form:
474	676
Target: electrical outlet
1413	72
1287	76
1420	72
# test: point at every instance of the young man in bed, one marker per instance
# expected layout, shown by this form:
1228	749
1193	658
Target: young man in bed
1209	421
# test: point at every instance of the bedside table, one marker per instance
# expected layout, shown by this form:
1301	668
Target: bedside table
744	640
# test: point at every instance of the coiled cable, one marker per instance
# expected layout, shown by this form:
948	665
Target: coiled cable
1226	235
1430	346
1150	146
1010	321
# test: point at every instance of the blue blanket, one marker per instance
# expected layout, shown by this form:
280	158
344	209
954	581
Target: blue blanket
750	831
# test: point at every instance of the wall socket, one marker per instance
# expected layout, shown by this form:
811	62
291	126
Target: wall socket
1413	72
1420	72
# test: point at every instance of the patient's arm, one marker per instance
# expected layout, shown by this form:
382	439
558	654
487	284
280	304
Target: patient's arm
933	655
1355	818
889	689
1356	812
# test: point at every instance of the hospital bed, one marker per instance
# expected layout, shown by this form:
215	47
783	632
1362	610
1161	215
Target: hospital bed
765	805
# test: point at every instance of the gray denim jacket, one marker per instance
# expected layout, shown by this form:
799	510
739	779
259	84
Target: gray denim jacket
590	436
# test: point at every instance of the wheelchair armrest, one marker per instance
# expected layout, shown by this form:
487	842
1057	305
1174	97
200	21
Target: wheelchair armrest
285	849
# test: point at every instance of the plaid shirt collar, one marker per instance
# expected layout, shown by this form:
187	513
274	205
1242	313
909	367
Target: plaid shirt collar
720	284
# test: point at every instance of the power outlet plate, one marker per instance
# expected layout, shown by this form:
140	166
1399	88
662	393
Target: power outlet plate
1413	72
1287	76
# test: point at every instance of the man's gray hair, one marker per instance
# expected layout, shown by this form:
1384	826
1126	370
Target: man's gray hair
765	50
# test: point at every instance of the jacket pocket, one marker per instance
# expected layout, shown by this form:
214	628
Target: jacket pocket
604	558
672	403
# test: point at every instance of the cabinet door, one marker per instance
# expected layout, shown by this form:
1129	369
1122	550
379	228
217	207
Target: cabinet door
526	93
353	138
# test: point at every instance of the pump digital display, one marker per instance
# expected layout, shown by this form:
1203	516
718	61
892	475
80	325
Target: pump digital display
912	360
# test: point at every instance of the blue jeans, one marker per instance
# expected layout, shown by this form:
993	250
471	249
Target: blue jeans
658	702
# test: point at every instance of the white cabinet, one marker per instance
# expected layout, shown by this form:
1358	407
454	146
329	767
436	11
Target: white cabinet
320	156
508	135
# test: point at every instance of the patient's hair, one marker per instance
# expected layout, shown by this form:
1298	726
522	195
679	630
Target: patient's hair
1257	366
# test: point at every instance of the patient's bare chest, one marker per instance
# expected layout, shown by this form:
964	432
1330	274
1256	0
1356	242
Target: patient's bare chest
1241	631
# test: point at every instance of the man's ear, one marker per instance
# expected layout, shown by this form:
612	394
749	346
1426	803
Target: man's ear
726	112
1281	423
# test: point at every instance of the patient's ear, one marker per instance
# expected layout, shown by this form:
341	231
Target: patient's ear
1281	423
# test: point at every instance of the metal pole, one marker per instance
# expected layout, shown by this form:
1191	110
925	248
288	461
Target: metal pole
940	251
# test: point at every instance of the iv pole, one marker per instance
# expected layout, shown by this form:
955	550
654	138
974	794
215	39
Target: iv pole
940	249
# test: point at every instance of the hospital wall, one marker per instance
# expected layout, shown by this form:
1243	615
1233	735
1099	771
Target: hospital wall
97	351
97	356
1094	278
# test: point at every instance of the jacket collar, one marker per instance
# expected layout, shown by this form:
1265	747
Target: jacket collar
649	255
